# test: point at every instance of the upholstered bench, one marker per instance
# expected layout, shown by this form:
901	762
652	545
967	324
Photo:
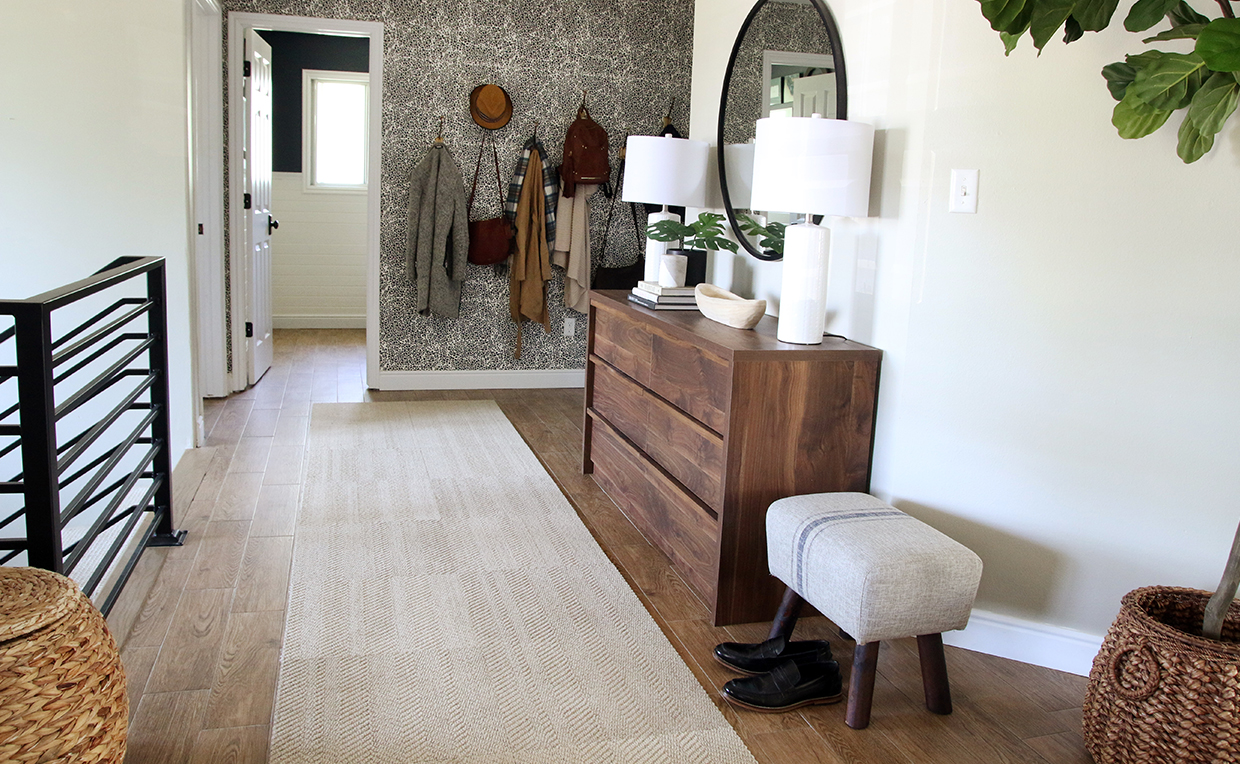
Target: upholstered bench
878	574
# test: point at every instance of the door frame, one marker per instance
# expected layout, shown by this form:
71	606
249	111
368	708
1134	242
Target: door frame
206	24
239	263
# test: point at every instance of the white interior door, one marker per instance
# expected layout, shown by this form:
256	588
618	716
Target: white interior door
814	95
259	222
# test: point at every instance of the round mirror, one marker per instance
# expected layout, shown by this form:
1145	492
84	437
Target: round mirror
787	62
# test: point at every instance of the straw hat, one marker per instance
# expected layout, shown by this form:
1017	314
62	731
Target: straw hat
490	106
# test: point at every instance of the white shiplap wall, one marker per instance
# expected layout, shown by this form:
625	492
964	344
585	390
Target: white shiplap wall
318	256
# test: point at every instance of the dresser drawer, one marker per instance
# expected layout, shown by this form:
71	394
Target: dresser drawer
670	518
623	343
688	451
697	382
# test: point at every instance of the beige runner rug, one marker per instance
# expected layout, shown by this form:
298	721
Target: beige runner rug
447	605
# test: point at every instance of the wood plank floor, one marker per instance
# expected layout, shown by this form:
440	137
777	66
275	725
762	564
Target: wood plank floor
200	625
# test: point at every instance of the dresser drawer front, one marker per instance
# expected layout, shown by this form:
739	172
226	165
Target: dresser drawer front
623	343
688	451
665	514
695	381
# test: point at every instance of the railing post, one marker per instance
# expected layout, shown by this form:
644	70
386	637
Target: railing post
156	288
37	410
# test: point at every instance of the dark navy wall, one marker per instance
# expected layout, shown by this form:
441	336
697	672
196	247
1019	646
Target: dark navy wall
291	52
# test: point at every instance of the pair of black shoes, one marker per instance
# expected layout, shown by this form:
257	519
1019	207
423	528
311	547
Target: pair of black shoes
783	675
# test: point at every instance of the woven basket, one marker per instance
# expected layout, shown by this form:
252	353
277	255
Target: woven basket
62	687
1159	691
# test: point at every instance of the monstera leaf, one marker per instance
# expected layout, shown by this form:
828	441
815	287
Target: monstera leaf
704	233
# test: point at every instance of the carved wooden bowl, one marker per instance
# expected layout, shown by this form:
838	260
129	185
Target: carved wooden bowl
726	308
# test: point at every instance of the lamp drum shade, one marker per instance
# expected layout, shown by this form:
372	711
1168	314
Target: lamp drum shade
664	170
813	165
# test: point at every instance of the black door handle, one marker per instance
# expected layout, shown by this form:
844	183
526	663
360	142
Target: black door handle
272	224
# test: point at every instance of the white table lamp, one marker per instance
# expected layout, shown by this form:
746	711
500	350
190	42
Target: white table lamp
660	169
812	166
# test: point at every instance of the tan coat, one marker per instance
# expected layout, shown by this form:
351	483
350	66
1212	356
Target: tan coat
530	269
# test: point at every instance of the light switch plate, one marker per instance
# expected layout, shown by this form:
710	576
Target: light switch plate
964	191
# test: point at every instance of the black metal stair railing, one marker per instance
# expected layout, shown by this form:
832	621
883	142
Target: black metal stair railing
77	502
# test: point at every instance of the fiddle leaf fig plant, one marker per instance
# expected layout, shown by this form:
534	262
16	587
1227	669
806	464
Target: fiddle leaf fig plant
1152	84
770	236
704	233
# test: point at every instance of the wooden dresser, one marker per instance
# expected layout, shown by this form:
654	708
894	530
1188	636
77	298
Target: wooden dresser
693	428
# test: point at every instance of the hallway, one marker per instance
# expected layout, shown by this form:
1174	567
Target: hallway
201	625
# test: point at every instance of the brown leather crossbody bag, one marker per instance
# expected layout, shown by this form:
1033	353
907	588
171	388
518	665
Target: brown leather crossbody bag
490	240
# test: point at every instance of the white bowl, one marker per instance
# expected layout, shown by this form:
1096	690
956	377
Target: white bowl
726	308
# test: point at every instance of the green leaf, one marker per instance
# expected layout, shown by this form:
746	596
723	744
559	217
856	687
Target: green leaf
1164	84
1146	13
1183	15
669	230
774	242
1193	144
1143	60
1119	76
1048	16
716	243
1214	103
1002	14
1185	32
1072	30
771	236
1094	15
1134	118
1011	39
1219	45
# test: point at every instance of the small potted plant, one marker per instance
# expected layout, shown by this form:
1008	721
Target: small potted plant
702	234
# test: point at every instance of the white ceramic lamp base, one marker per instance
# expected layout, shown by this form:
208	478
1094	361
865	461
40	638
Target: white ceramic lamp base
803	295
656	249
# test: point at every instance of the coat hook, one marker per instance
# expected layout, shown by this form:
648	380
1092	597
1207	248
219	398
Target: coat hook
441	120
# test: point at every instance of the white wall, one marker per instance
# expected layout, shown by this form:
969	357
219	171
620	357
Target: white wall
93	154
1059	382
318	256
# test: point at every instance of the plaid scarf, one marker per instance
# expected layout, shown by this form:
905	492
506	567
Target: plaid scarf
551	184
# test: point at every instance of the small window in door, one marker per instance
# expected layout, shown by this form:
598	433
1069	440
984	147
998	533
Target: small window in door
335	126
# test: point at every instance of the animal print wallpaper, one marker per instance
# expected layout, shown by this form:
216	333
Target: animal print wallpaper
631	57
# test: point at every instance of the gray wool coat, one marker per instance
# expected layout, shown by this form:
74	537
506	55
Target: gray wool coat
438	245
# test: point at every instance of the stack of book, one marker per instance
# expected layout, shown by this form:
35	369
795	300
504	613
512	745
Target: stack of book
649	294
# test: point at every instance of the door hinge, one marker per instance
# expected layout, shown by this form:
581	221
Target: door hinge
249	329
247	201
245	71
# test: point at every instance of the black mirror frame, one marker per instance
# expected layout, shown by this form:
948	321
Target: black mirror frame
841	109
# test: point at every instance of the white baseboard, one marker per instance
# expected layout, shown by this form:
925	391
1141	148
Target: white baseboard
318	322
481	380
1028	642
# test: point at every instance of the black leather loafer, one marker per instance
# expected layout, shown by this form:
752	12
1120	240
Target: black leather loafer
789	685
749	658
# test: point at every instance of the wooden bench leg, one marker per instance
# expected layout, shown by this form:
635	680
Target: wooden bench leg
786	618
934	673
861	685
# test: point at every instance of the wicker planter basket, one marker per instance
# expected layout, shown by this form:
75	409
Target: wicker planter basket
62	688
1160	692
